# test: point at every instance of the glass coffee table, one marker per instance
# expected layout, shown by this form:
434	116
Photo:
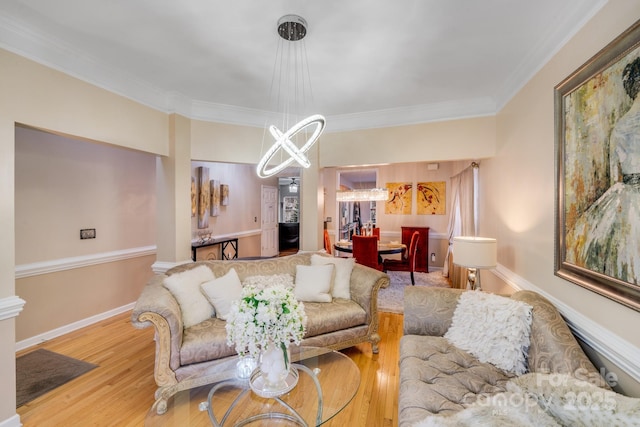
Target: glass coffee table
327	381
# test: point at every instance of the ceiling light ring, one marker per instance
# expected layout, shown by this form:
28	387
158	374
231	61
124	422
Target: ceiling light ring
284	142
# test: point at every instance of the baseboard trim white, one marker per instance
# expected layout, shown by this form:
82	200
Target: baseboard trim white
10	307
30	342
619	351
13	421
55	265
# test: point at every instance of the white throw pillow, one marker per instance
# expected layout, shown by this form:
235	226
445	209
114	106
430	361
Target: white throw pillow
222	292
185	287
313	283
341	286
493	328
574	402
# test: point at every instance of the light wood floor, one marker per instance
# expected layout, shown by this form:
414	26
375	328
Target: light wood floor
120	391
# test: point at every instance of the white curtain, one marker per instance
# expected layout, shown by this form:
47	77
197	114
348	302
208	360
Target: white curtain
462	218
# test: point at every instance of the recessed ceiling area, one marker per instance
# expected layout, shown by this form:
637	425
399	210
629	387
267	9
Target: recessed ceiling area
372	63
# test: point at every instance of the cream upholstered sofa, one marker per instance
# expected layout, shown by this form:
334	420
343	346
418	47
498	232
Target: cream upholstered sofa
182	353
436	377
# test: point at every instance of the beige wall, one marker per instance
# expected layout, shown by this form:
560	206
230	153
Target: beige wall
37	96
439	141
518	183
242	215
63	185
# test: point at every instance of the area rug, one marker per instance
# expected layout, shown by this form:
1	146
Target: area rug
42	370
391	299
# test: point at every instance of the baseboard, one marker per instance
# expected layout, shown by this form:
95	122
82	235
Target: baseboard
619	351
13	421
30	342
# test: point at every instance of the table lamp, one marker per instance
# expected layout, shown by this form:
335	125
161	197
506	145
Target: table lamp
474	253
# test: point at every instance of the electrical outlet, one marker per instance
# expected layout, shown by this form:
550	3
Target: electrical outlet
433	257
88	233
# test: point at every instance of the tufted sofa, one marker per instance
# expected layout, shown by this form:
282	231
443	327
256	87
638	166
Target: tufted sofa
438	378
182	354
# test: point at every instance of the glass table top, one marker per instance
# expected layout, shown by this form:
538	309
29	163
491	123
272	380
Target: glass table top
338	378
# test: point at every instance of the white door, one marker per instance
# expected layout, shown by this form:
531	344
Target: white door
269	212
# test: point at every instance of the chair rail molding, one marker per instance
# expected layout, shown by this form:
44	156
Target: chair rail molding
11	307
61	264
616	349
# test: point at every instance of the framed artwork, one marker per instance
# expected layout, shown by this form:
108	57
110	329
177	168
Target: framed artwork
215	197
204	196
400	196
224	194
194	197
597	115
431	198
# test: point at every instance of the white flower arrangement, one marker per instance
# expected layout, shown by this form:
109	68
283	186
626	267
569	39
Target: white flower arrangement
265	315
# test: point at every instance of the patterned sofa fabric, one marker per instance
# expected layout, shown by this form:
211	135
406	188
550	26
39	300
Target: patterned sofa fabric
438	378
181	354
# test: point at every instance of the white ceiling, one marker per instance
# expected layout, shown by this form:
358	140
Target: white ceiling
373	63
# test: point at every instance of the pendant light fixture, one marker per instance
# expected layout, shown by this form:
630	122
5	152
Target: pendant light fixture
296	132
293	187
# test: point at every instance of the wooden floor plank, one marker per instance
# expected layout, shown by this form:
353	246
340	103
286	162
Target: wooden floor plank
119	392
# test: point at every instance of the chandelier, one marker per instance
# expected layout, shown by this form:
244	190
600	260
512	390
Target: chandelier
295	134
365	195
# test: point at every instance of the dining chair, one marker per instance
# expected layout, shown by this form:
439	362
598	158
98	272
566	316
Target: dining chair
408	262
365	251
376	232
327	243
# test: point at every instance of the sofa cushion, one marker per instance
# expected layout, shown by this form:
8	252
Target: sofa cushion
323	317
205	341
185	287
222	292
313	283
341	286
438	378
493	328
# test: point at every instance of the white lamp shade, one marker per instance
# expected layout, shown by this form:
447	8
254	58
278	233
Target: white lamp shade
475	252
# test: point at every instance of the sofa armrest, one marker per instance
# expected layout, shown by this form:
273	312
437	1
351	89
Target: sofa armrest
364	286
553	348
428	311
156	306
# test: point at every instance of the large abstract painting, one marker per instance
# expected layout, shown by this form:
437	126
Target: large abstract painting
598	172
400	195
431	198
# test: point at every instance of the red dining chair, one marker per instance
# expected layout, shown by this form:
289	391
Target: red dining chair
376	232
408	262
365	251
327	243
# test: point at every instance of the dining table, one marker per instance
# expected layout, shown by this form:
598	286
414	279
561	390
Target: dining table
384	248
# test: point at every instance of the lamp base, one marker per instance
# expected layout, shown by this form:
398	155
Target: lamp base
473	279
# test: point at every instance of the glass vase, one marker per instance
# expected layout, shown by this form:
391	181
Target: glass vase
275	364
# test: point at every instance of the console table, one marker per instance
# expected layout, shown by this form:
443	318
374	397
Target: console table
224	244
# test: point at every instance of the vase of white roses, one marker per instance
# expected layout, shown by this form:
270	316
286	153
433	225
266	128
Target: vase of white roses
262	324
